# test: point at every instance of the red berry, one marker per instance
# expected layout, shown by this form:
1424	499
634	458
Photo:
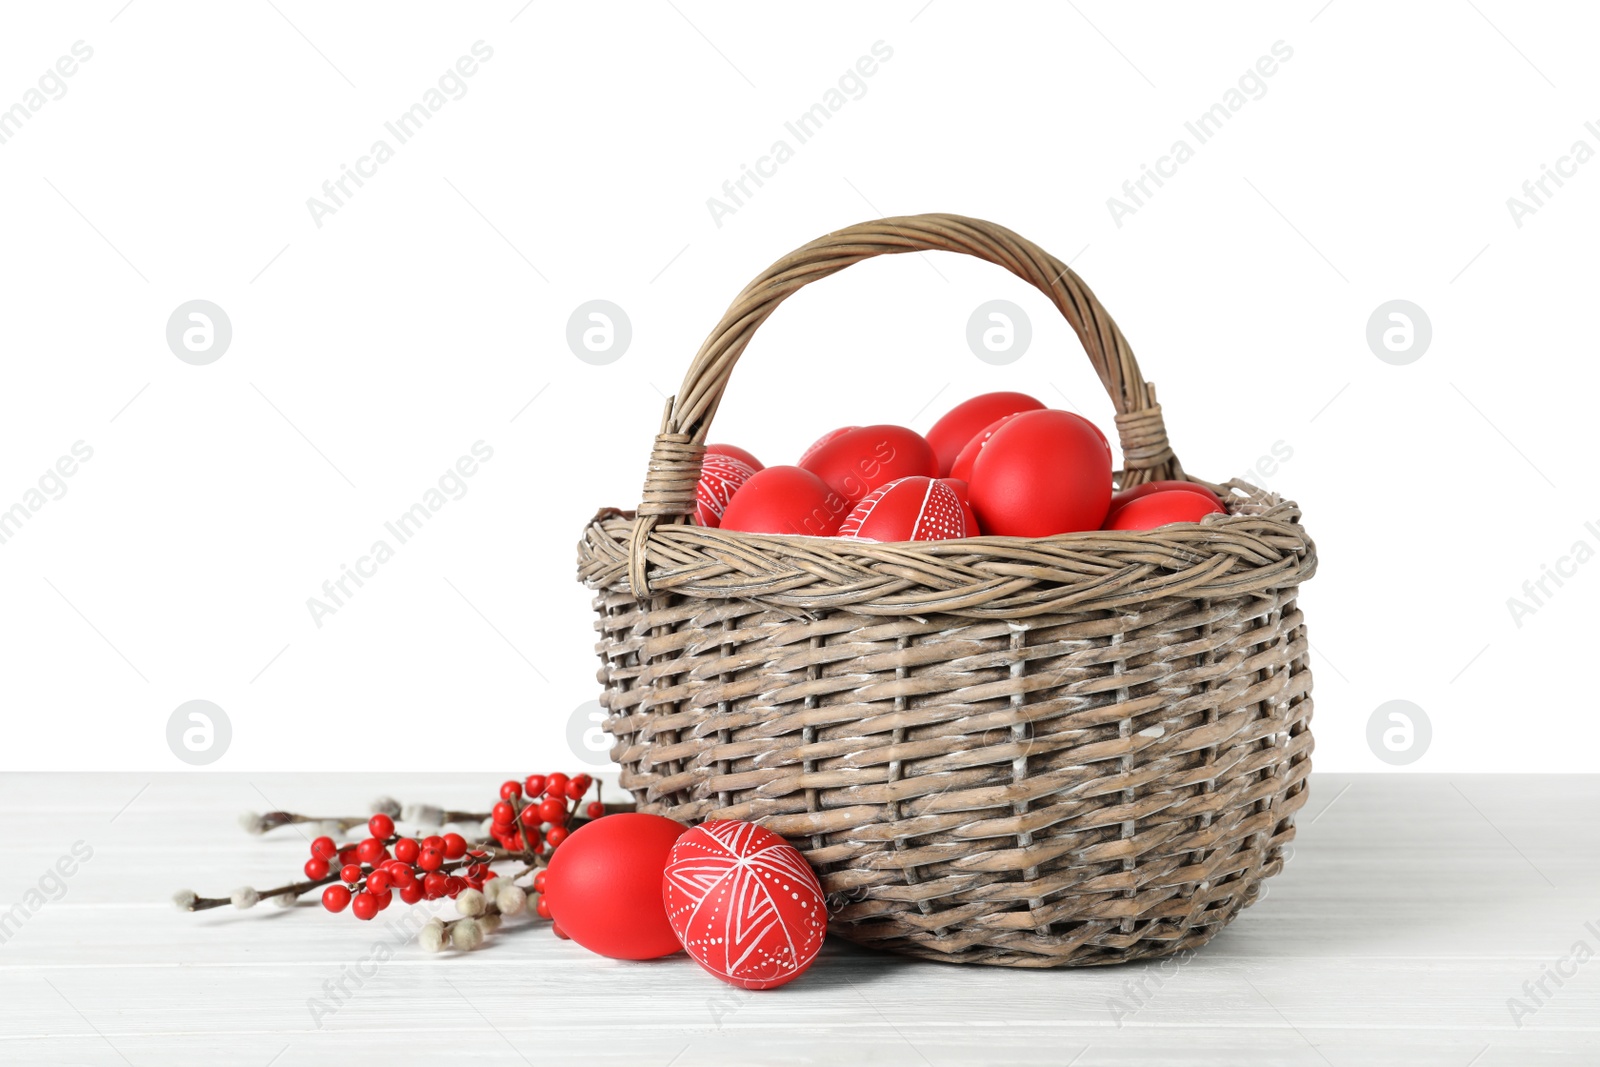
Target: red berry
406	849
323	848
595	809
555	835
490	875
534	785
477	870
378	881
384	899
510	790
579	786
381	826
454	885
538	882
316	869
542	908
401	875
555	785
363	906
433	841
370	850
455	846
335	898
347	855
553	811
503	813
530	815
562	934
411	892
350	872
433	885
587	781
431	859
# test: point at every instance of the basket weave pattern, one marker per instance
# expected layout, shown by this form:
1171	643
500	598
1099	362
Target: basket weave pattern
1073	750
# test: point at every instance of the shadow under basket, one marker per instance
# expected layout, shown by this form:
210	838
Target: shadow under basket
1028	752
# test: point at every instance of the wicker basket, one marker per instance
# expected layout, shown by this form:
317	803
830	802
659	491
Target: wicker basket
1074	750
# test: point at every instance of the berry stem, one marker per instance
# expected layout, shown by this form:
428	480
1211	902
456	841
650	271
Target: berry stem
491	853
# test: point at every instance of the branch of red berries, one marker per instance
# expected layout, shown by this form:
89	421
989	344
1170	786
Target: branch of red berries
524	827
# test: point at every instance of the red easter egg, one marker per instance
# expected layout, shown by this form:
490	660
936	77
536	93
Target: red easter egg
910	509
961	488
811	449
744	903
1042	473
785	500
958	426
856	462
721	475
736	452
1161	508
603	886
1135	492
961	468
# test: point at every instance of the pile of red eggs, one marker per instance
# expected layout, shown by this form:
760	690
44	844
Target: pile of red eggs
1000	464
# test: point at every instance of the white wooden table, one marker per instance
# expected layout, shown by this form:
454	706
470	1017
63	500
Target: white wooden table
1413	911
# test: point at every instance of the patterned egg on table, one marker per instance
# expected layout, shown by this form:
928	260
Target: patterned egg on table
744	903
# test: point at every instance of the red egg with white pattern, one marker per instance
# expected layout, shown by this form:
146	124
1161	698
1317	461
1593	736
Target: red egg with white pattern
910	509
744	903
856	462
721	476
737	453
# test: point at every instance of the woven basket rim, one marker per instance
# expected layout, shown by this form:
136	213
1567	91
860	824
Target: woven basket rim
1257	546
1260	497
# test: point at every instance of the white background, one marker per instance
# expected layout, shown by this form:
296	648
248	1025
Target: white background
368	354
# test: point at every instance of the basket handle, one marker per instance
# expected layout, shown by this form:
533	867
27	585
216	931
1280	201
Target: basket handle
675	460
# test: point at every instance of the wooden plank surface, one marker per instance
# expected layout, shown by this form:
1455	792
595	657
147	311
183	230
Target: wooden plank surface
1414	910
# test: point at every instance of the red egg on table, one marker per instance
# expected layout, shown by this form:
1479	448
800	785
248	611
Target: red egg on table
1041	473
1163	508
744	903
1121	497
721	476
737	453
603	885
962	422
910	509
856	462
962	467
811	449
785	500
